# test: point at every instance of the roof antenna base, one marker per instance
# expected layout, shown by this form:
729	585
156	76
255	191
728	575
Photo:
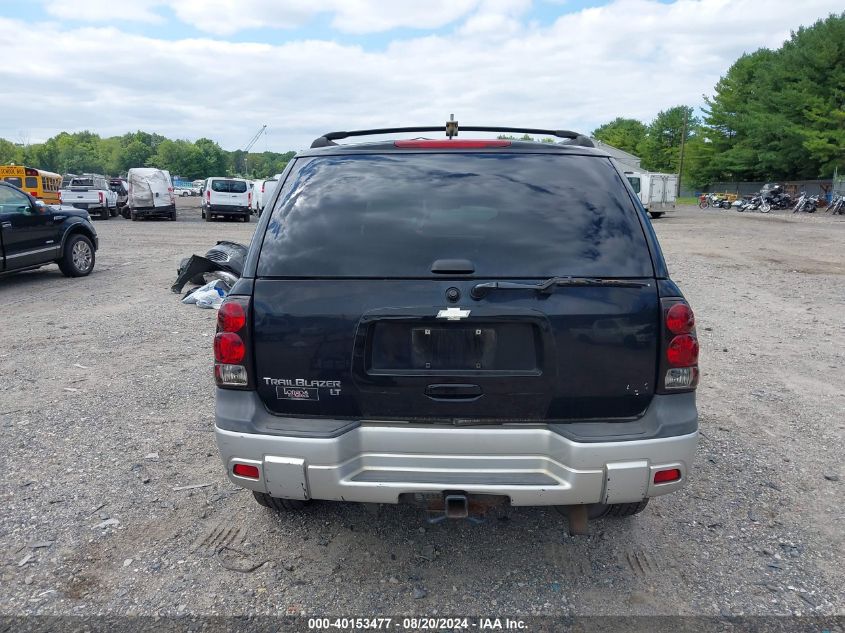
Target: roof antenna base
451	127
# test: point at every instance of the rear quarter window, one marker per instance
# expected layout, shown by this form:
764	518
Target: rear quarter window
512	215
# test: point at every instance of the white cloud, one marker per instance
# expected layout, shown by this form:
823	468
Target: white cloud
629	58
104	10
225	17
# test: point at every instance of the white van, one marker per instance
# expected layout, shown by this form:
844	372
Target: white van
150	194
226	197
263	191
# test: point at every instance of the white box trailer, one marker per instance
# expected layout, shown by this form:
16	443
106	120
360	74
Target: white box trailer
656	191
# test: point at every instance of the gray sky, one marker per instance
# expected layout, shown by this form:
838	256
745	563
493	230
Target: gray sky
222	68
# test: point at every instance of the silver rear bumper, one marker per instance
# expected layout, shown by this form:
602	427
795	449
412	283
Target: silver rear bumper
532	465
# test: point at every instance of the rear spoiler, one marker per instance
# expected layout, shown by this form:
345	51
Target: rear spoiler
573	138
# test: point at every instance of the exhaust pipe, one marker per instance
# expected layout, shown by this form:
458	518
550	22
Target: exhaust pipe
457	506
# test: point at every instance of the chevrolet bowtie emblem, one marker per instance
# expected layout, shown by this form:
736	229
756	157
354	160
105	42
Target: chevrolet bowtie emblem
453	314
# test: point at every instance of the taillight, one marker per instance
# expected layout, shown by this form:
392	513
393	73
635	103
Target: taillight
231	317
231	349
249	198
682	351
262	186
208	195
100	194
678	368
680	319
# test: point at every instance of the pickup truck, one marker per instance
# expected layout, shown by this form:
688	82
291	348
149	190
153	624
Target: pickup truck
92	193
33	234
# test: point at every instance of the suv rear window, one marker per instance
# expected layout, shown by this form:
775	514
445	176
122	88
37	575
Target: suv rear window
228	186
510	214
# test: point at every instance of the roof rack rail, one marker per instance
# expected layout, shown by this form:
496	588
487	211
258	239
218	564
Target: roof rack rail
574	138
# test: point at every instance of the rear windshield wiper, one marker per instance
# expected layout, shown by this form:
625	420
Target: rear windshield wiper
548	286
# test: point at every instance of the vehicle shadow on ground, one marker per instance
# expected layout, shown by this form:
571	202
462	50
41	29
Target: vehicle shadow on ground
32	278
517	550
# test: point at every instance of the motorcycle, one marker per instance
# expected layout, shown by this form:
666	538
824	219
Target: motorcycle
836	206
806	204
776	201
751	203
713	200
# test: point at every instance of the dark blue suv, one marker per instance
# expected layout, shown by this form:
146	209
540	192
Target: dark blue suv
458	324
33	234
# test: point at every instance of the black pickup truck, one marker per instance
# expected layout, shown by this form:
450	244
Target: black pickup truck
33	234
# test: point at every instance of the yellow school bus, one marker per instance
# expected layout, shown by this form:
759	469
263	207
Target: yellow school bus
41	184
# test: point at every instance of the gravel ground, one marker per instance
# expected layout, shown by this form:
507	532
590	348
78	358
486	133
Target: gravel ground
106	410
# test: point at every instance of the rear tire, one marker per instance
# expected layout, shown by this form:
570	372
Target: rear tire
105	214
247	217
207	216
615	510
656	215
277	504
78	257
133	216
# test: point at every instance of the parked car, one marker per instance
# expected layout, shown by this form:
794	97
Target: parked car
406	330
226	197
182	192
150	194
91	192
33	234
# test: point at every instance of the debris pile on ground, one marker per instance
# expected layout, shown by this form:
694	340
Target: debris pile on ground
214	274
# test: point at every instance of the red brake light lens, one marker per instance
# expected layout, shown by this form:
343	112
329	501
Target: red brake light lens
680	319
662	476
231	317
229	348
683	351
246	470
443	144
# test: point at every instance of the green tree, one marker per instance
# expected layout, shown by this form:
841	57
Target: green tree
781	114
622	133
212	159
660	149
9	152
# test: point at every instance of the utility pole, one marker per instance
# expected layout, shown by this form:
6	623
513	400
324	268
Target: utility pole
681	159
